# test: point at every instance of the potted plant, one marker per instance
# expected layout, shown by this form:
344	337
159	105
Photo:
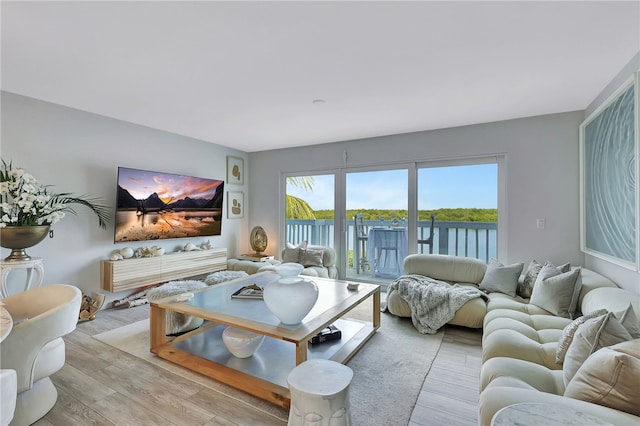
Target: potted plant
28	209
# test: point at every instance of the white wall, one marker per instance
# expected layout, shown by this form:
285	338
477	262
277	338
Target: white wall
625	277
542	176
79	152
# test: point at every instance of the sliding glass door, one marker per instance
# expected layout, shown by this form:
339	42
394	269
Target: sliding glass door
374	218
376	214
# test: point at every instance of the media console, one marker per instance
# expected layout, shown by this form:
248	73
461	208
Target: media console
127	274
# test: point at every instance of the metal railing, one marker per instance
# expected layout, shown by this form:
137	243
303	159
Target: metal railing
468	239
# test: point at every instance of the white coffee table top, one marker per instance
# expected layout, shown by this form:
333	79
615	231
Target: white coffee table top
531	413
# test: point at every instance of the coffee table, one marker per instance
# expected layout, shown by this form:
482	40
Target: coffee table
285	346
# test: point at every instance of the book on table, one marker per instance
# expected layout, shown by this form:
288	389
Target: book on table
252	291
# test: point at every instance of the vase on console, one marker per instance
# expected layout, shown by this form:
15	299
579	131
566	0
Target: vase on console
291	297
19	238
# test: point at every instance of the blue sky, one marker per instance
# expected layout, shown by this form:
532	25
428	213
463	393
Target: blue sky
438	187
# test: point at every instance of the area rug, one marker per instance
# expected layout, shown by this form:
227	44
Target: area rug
388	371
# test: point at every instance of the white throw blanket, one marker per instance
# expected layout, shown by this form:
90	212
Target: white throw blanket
433	303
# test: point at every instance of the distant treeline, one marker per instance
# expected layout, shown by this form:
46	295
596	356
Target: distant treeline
442	215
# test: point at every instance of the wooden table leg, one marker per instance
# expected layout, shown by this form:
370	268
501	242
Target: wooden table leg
157	327
301	352
376	309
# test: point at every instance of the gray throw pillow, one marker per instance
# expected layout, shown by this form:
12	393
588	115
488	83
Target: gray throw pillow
530	275
292	252
629	321
309	257
500	278
557	292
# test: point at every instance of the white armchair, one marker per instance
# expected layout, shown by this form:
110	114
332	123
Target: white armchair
34	348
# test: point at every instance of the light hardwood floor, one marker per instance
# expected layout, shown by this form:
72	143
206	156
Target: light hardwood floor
101	385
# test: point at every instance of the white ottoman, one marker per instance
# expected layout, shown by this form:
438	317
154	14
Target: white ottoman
320	393
177	322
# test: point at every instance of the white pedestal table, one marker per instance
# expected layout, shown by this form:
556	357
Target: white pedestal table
34	269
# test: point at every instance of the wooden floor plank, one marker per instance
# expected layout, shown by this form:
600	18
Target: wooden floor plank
118	409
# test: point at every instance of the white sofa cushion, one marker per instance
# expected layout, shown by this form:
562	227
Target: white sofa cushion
471	314
610	377
443	267
594	334
514	339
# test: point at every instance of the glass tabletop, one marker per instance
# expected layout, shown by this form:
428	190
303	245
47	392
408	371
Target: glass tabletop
217	300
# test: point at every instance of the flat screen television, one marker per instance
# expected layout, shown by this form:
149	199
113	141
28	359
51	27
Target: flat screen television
154	206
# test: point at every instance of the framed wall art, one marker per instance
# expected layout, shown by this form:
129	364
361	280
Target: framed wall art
235	170
235	205
609	179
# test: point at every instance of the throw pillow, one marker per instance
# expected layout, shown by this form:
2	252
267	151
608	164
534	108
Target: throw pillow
629	321
291	253
570	330
557	292
594	334
530	275
610	377
500	278
309	257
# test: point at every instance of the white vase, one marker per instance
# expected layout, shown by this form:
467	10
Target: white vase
290	298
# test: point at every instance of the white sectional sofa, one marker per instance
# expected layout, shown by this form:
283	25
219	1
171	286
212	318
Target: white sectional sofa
521	341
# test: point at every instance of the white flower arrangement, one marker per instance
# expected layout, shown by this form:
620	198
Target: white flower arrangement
25	202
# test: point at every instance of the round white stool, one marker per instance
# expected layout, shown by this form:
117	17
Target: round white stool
320	393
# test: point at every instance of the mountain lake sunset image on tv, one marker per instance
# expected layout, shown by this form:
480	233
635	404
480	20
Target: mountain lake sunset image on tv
154	206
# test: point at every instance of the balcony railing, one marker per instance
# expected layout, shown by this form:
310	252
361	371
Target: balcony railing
467	239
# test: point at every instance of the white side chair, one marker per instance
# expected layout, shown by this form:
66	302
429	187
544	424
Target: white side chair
34	348
8	394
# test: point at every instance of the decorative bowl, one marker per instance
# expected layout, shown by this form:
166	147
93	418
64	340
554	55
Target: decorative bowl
241	343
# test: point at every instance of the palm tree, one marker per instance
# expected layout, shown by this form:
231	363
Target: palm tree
297	208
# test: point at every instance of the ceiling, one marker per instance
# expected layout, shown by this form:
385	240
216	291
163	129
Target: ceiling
264	75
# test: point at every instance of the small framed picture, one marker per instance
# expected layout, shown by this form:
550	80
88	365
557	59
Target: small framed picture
235	205
235	170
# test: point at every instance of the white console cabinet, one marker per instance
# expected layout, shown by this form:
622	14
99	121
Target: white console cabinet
127	274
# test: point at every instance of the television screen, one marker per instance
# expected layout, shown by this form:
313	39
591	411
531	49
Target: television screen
153	206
